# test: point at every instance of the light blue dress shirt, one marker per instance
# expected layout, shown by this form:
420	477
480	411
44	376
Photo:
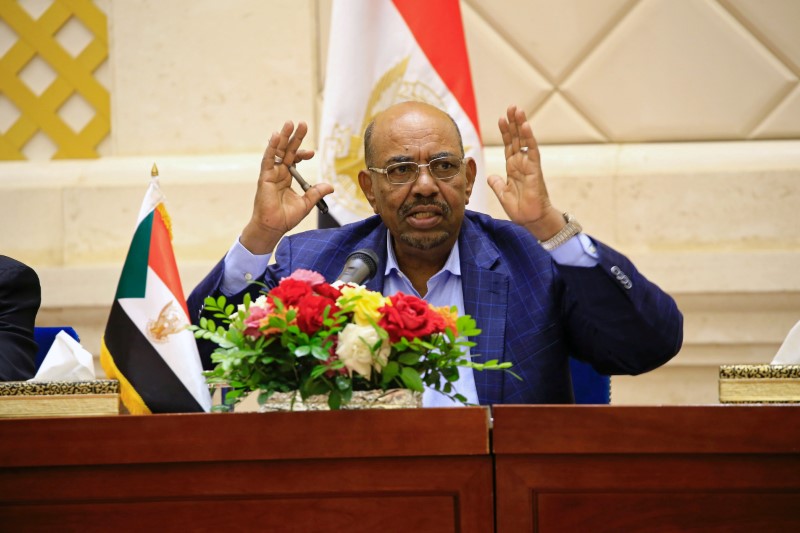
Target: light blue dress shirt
444	289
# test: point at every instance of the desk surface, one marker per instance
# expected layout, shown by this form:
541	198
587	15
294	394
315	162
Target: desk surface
631	429
243	436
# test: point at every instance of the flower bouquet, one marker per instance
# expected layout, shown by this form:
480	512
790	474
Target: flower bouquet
311	338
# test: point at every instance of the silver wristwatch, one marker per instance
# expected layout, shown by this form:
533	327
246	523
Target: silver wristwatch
572	228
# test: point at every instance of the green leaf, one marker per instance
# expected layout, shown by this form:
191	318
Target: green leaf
409	358
318	370
301	351
264	396
234	394
390	371
347	395
343	382
334	400
411	379
466	326
320	353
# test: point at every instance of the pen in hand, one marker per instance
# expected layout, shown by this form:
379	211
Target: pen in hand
321	205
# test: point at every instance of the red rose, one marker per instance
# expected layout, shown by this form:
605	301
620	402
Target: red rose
409	317
328	291
289	291
310	310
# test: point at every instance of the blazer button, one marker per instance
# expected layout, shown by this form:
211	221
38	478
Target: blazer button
623	279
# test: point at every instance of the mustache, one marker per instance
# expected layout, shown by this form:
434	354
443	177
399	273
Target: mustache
405	209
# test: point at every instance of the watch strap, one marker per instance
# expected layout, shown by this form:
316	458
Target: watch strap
572	228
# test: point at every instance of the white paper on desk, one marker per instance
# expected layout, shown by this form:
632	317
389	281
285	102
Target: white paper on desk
789	352
66	360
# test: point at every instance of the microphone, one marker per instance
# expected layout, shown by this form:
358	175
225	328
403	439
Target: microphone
359	267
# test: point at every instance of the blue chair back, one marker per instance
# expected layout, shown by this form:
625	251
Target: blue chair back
44	337
589	386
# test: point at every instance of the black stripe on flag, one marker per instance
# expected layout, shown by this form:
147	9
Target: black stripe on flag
144	368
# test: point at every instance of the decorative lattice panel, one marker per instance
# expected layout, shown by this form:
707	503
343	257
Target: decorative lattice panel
48	69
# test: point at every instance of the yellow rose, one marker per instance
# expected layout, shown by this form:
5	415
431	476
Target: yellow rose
364	303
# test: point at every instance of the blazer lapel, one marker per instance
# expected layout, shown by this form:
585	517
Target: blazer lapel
485	286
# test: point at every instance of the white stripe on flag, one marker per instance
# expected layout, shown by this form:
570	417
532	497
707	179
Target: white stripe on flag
179	350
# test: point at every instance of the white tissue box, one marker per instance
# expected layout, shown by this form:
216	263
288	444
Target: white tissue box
20	399
759	383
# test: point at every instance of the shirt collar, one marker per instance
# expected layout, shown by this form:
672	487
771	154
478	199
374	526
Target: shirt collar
452	265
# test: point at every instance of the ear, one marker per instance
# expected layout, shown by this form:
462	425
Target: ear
470	172
365	182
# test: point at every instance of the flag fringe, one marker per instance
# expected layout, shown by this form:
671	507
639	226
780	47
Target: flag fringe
130	398
166	218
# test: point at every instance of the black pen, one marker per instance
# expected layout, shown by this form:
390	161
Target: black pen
321	205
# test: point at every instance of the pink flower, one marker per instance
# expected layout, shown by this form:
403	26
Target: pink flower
308	276
253	321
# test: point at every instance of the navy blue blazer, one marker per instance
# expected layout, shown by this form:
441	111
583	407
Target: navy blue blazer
20	297
532	312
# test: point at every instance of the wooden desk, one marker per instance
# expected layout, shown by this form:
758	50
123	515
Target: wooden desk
404	470
605	468
557	468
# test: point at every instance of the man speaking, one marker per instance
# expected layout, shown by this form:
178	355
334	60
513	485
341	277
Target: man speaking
539	288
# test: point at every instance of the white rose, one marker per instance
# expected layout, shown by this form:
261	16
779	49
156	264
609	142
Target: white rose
354	349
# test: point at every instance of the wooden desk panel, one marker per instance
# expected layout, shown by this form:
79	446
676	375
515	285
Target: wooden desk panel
414	470
602	468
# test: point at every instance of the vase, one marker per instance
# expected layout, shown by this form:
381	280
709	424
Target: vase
371	399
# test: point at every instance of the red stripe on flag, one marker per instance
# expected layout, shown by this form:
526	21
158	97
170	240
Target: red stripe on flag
162	259
439	31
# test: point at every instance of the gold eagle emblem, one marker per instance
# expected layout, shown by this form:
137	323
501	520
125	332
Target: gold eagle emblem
169	321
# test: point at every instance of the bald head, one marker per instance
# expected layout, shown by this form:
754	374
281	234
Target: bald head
383	121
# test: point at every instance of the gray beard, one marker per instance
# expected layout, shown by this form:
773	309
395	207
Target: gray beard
427	242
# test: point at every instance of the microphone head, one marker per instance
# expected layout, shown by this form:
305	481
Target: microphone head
359	267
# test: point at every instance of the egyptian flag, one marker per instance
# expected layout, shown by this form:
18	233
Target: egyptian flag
146	345
383	52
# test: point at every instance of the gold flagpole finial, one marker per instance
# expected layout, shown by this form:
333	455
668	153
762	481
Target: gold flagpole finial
154	171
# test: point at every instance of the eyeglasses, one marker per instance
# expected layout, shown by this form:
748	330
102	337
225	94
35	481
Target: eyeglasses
441	168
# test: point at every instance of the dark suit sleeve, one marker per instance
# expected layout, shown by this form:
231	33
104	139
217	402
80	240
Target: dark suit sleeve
617	320
20	297
211	286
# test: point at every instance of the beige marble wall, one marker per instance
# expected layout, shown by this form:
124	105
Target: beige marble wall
671	128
